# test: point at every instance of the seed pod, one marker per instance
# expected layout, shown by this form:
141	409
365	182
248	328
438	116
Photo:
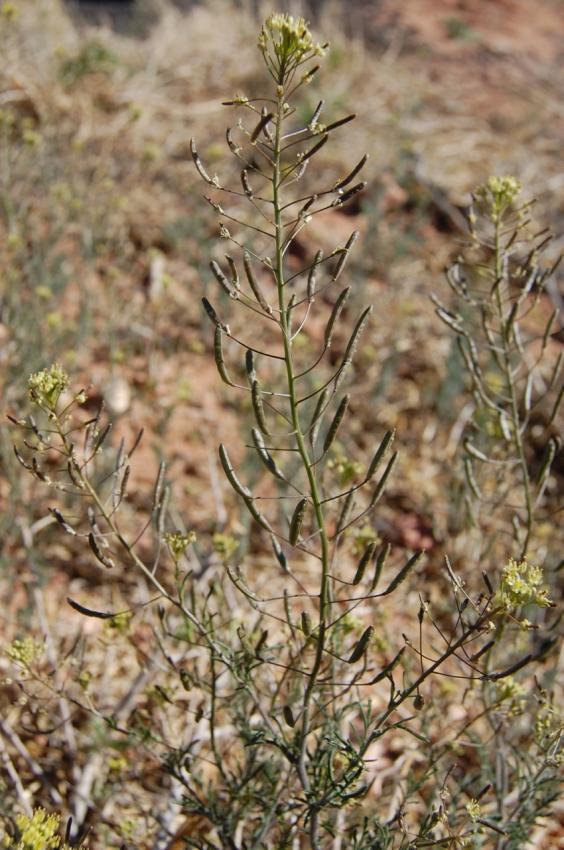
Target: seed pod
253	283
306	623
221	279
363	563
346	196
250	365
380	452
233	147
280	556
260	126
288	716
218	356
380	564
352	344
351	175
230	474
312	276
266	130
37	471
362	645
304	157
214	317
163	510
104	560
403	573
307	78
234	272
264	454
340	123
336	423
257	516
245	183
89	612
258	407
101	438
550	453
346	511
318	414
471	480
73	475
314	118
159	484
62	521
382	482
344	254
296	522
199	165
389	668
335	315
261	642
20	459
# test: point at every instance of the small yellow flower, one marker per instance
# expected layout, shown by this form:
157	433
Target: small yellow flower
289	39
38	832
474	810
521	584
25	652
45	387
498	194
178	543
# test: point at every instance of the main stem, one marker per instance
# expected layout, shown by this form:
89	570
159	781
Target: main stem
307	464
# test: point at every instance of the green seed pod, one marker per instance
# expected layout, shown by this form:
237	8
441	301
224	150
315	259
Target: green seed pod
361	646
288	716
380	452
346	511
344	254
312	276
257	516
336	423
296	522
253	283
380	564
335	315
258	407
363	563
403	573
221	279
318	414
230	474
352	344
379	489
218	356
306	623
264	454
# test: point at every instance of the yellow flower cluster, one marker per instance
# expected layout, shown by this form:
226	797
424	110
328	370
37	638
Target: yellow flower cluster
45	387
178	543
289	38
521	584
25	652
497	194
38	832
474	810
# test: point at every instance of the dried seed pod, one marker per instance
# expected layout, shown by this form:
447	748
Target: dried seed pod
352	344
233	147
257	516
253	283
335	315
379	489
200	167
380	452
265	455
101	438
256	396
288	716
351	175
261	125
159	484
315	423
280	556
304	157
89	612
62	521
250	365
340	123
346	511
245	183
363	563
233	271
218	356
306	623
104	560
403	573
380	564
214	317
361	646
344	254
230	474
222	280
163	510
317	112
389	668
336	423
312	277
296	522
346	196
266	129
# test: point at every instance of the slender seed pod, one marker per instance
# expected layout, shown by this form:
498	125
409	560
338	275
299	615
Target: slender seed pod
556	407
231	475
90	612
470	478
389	668
218	356
214	317
250	365
339	123
159	486
312	277
380	564
344	254
163	510
266	130
234	272
361	646
346	196
221	279
288	716
315	117
199	165
245	183
346	511
351	175
265	455
280	556
104	560
403	573
550	453
351	345
253	283
312	72
233	147
387	441
335	315
101	439
304	157
296	521
315	423
72	471
260	126
37	471
379	489
62	521
363	563
306	623
256	397
257	516
336	423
